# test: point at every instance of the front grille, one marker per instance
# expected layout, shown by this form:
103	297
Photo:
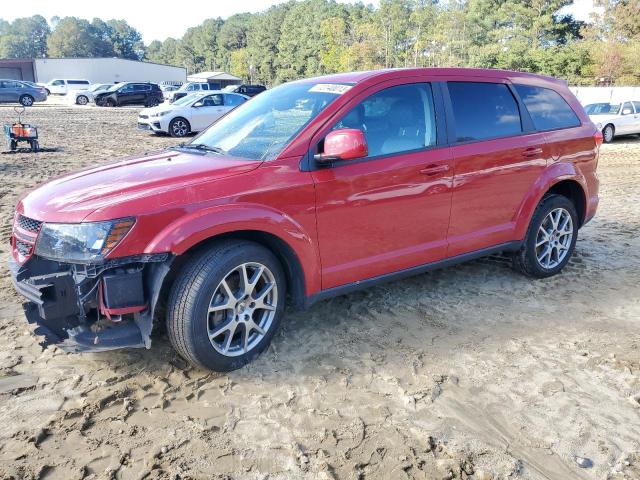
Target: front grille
23	247
29	224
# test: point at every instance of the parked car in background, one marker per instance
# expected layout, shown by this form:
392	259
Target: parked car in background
313	189
61	86
614	119
167	89
190	87
82	97
130	93
190	114
24	93
248	90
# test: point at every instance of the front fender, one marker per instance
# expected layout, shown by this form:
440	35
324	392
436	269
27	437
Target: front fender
553	174
190	229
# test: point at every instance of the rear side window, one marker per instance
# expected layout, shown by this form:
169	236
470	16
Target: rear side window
78	82
483	110
637	105
548	110
232	100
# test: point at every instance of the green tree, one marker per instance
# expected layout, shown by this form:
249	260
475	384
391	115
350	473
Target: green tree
24	37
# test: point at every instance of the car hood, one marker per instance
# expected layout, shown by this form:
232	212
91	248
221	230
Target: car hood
71	198
602	118
160	108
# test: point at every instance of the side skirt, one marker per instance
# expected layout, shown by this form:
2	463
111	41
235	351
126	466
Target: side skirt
409	272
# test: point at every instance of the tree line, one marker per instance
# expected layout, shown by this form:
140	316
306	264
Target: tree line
312	37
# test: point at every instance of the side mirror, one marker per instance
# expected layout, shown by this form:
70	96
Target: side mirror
627	111
197	104
343	144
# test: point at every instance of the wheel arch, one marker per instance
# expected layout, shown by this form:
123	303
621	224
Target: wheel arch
561	178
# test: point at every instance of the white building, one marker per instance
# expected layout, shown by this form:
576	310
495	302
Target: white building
220	79
96	70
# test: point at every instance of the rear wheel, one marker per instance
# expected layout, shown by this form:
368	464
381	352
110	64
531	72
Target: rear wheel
152	102
82	100
179	127
551	238
226	304
26	100
608	132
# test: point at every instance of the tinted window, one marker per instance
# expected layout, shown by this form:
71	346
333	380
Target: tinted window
483	110
141	88
233	100
57	82
397	119
78	82
548	110
126	89
211	101
637	105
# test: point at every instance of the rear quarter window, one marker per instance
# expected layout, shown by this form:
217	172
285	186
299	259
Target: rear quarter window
548	110
483	111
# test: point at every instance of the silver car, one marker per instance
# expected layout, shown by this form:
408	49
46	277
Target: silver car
25	93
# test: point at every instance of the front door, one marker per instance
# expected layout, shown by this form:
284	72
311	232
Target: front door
626	123
497	159
388	211
205	111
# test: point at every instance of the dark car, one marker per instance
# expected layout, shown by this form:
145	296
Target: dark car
130	93
248	90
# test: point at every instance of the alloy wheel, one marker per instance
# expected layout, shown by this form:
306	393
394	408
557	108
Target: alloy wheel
242	309
180	128
608	133
554	237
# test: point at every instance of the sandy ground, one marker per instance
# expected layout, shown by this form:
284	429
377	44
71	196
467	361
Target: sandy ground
471	372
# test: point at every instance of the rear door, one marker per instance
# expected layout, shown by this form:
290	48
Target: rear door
497	157
636	105
389	211
4	91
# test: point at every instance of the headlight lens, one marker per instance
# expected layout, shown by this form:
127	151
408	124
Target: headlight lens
81	242
159	114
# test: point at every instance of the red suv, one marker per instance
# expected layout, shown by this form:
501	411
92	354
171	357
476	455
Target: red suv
312	189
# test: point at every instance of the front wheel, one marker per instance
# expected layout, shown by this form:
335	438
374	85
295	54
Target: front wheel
608	133
179	127
551	238
226	304
110	103
82	100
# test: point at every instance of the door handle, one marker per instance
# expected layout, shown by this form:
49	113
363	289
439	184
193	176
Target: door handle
532	152
434	169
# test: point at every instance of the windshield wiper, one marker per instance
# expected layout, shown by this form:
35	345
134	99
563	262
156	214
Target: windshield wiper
202	147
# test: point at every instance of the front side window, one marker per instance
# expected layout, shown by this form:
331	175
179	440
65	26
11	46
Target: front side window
141	88
394	120
483	110
626	106
57	83
126	89
210	101
548	110
262	128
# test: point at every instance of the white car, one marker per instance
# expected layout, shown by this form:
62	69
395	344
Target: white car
82	97
62	86
615	119
192	113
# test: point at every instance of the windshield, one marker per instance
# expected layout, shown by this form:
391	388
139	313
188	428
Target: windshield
261	128
602	109
186	99
115	87
100	86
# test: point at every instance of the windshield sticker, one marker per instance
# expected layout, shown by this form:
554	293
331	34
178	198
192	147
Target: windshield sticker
330	88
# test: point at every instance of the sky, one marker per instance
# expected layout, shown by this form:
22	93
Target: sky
159	20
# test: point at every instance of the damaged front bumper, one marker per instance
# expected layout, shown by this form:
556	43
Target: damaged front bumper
82	308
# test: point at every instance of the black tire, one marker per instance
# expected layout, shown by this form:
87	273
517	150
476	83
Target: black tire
187	319
13	145
82	100
110	102
152	102
179	127
48	91
608	133
26	100
35	146
526	260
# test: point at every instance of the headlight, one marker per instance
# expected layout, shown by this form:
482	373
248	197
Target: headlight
159	114
81	242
